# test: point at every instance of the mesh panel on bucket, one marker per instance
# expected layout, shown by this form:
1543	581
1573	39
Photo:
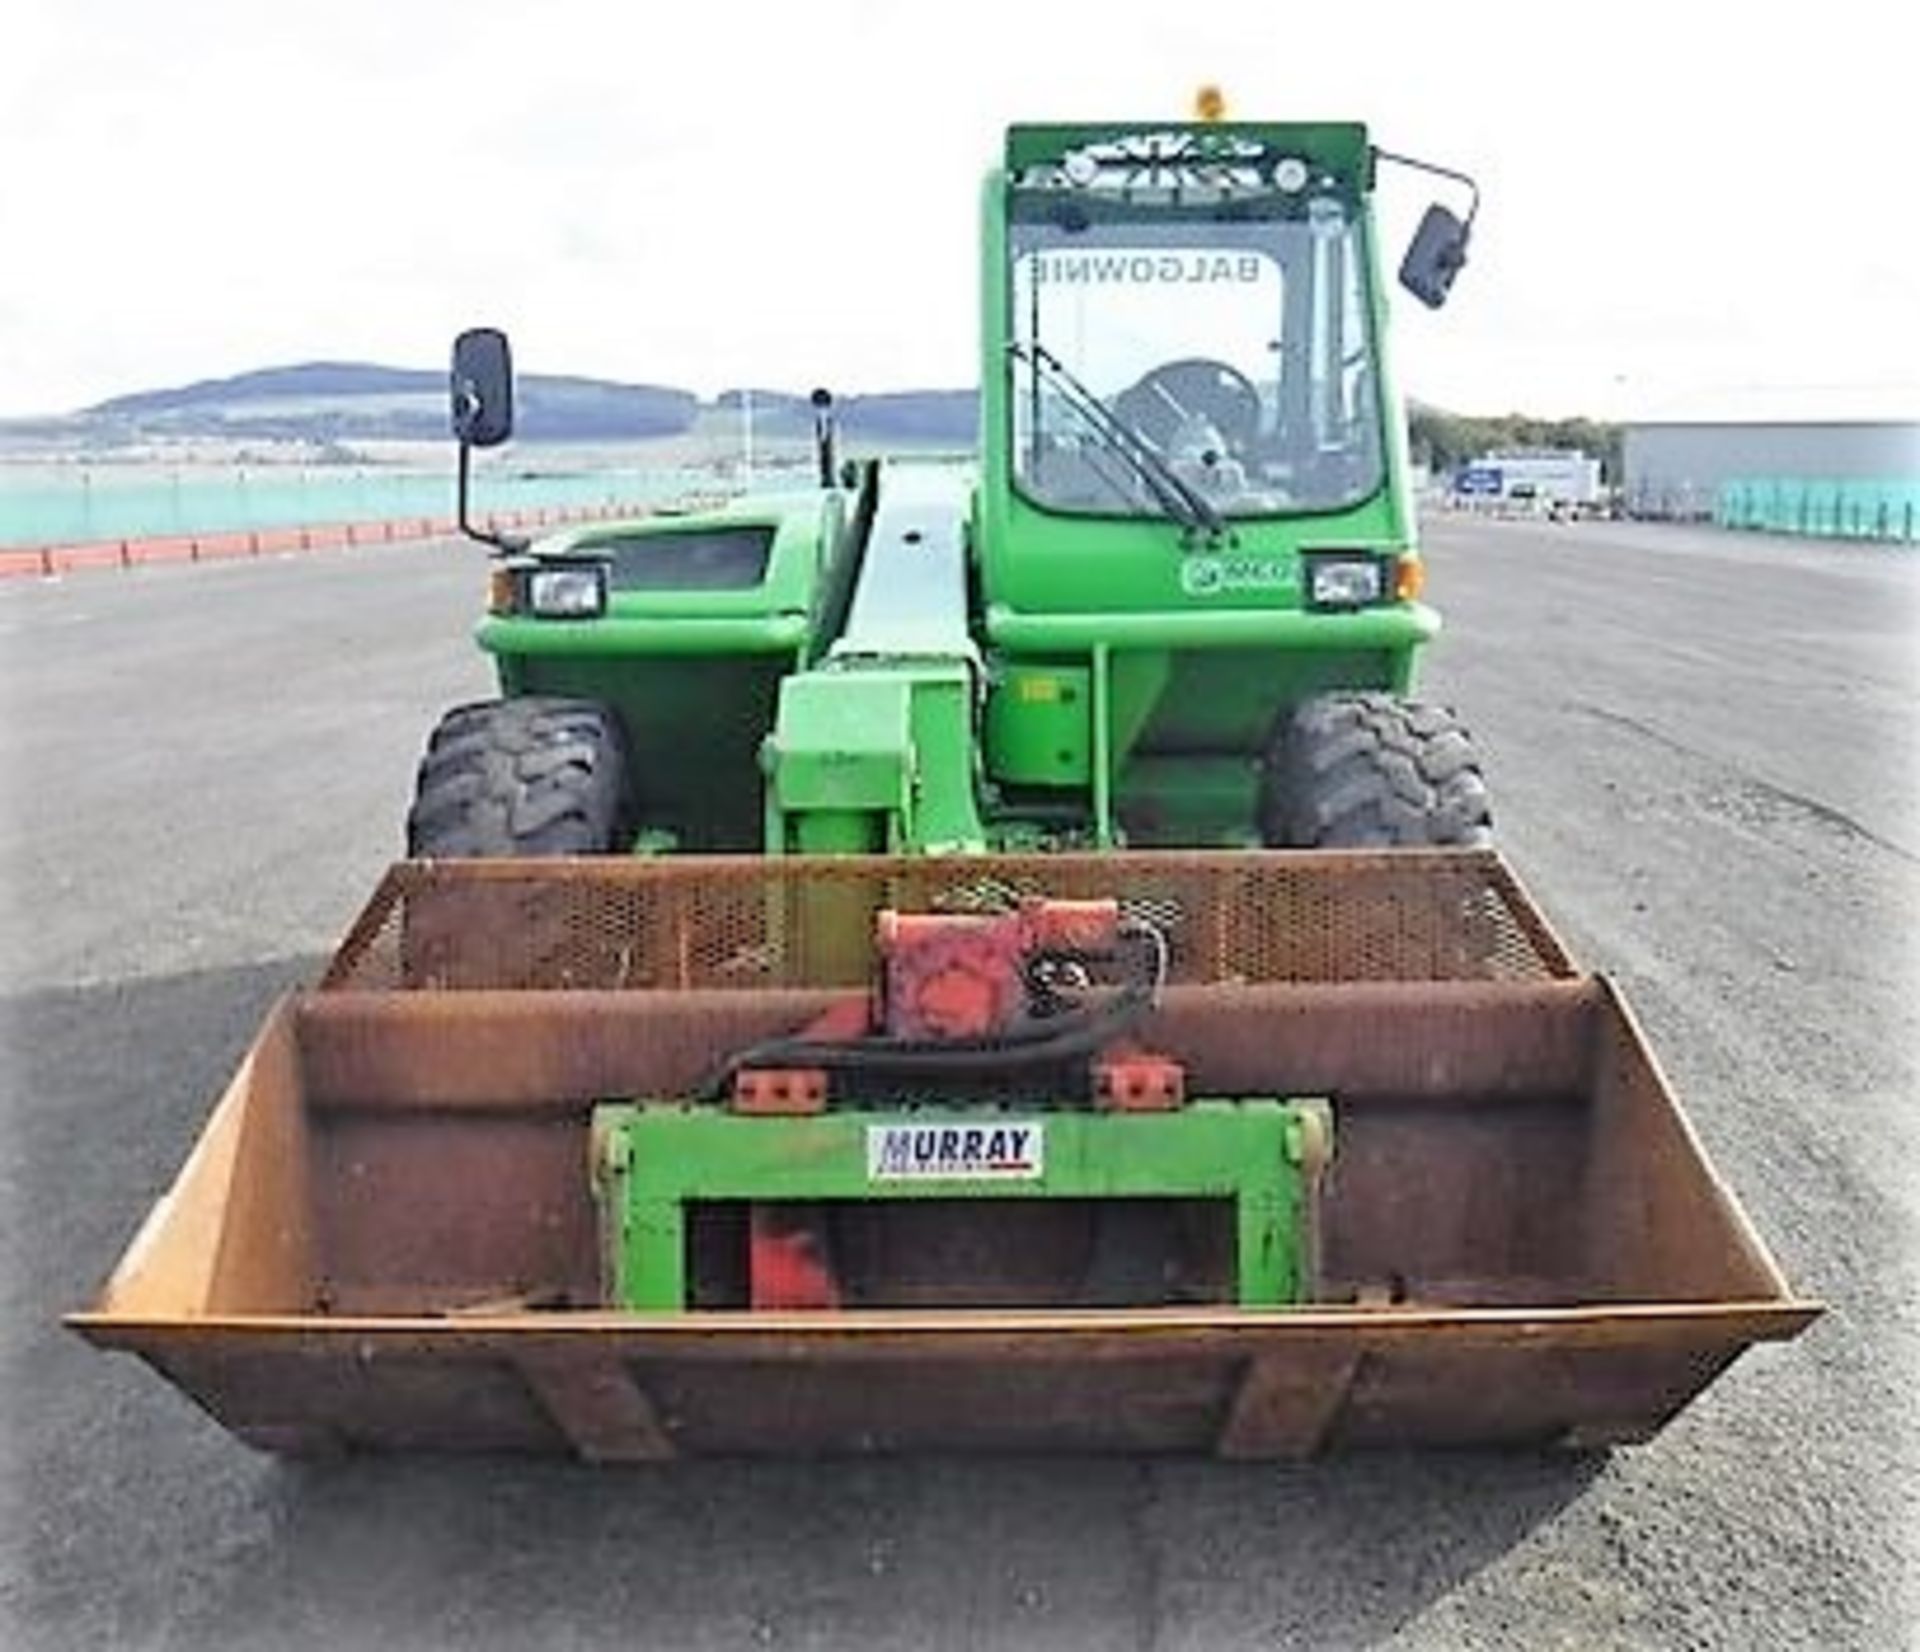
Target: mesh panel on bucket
756	923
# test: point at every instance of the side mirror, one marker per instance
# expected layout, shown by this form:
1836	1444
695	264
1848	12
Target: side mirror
482	387
1434	256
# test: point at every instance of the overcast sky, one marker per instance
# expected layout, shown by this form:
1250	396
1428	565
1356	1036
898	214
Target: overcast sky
1680	200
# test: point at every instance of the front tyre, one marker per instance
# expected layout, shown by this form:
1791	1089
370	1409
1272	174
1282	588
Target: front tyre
1360	771
530	776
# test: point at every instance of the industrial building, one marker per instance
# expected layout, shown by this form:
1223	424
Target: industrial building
1678	466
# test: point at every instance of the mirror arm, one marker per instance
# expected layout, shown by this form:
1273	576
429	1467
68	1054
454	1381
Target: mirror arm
504	544
1473	189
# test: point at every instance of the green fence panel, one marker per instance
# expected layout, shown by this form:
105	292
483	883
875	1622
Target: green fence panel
81	504
1879	511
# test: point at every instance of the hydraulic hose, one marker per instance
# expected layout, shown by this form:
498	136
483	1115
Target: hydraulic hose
1072	1035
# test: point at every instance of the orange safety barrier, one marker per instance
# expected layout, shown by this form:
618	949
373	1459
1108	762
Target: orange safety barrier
47	561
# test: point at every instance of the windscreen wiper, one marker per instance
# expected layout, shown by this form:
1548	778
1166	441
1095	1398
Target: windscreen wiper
1177	497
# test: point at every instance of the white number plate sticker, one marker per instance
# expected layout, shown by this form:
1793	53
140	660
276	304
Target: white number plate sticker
1005	1150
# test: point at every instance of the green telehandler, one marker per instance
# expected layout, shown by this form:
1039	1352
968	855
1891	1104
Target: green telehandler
1176	604
977	956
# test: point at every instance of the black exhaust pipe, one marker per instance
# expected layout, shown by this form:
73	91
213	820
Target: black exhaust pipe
822	400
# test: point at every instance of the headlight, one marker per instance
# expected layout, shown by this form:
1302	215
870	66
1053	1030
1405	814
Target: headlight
1344	581
568	593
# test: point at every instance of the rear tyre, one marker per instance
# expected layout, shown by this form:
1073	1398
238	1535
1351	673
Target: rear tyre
531	776
1357	771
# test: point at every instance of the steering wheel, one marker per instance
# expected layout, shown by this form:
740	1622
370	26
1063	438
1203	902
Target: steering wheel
1177	391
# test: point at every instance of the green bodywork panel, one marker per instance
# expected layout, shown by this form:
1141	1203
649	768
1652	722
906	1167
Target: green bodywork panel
776	610
689	671
893	741
653	1160
722	705
1167	802
845	744
938	662
884	730
1039	725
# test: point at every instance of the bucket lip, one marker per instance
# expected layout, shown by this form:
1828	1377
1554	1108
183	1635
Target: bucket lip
1758	1319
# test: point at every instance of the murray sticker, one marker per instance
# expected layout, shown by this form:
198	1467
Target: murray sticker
1008	1150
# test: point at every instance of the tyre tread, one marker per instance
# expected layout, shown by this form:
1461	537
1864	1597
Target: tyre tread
527	776
1370	770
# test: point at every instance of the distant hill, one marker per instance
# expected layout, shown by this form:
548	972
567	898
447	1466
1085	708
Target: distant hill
326	379
924	415
944	416
341	400
334	401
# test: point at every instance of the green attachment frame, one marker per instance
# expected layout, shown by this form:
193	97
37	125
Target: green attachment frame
652	1159
878	755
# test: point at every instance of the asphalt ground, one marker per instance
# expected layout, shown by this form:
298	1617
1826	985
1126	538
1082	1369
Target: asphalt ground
1702	753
